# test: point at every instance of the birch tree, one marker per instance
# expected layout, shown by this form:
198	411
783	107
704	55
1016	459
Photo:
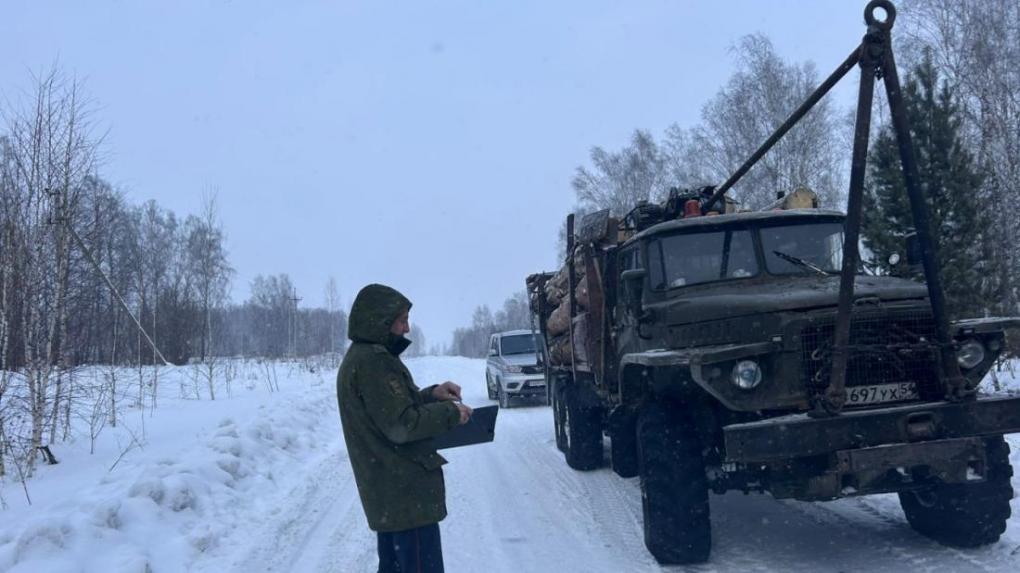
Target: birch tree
758	97
333	308
618	180
209	266
52	149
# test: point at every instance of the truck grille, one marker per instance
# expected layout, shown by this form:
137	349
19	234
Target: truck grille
885	348
531	369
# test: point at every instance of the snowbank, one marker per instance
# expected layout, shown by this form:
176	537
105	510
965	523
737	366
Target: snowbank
196	482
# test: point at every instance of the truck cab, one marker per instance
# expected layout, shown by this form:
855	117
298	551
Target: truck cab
748	301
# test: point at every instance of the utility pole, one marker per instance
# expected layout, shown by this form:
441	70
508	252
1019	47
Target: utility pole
60	219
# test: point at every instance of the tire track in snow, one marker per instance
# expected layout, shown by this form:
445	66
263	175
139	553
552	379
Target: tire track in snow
508	509
320	527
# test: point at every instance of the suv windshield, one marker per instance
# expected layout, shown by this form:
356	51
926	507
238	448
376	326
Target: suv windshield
818	246
517	344
693	258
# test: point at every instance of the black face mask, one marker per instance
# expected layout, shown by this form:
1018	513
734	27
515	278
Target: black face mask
396	343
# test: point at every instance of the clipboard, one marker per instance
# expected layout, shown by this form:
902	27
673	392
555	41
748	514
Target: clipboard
479	429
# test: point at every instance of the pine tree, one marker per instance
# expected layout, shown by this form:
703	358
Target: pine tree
950	182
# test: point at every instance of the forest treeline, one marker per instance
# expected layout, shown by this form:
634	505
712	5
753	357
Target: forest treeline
79	264
89	278
473	341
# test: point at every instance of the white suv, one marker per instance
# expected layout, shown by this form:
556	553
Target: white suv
512	369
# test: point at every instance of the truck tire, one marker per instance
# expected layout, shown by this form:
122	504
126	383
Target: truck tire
582	430
558	405
488	387
623	456
965	515
674	489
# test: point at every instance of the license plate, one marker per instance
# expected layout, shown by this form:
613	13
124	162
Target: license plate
880	393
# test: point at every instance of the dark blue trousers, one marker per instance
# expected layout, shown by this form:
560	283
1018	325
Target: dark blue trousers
417	550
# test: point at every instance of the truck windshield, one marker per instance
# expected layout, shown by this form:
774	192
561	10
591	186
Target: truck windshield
517	344
803	249
695	258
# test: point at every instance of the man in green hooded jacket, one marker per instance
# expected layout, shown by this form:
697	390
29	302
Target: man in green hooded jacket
388	425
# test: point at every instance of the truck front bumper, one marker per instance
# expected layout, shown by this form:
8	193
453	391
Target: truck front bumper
798	436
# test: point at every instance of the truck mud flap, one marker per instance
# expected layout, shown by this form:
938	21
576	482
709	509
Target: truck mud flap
798	435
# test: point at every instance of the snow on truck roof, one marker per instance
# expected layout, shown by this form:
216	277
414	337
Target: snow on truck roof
789	215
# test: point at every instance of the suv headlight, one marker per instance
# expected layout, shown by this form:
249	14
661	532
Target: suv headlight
970	354
746	375
513	369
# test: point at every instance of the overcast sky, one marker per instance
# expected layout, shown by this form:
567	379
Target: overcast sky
425	145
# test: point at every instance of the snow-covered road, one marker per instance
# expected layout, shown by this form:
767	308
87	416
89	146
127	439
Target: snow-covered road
515	506
260	481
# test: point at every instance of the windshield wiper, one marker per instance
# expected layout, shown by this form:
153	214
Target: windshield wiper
802	263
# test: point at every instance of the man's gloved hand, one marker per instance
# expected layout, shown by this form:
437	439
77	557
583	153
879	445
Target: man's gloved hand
446	391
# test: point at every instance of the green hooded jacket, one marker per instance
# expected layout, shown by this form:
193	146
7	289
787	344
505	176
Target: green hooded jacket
388	422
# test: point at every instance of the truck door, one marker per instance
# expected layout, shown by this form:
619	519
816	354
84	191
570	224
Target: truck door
628	298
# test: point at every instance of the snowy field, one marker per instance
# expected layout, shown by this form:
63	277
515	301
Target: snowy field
259	481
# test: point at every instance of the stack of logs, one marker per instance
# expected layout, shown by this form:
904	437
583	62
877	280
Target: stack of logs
546	291
558	324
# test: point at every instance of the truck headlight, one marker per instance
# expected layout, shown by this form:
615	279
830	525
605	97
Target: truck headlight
970	354
746	374
513	369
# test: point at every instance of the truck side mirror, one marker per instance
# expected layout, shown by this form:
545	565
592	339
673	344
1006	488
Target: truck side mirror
493	352
913	249
631	276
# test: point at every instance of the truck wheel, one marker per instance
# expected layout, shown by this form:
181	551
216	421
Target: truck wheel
488	387
674	490
965	515
582	429
623	456
558	415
